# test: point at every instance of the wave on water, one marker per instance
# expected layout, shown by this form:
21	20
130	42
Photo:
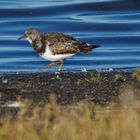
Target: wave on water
113	24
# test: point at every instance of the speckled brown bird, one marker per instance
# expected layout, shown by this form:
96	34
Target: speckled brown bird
55	47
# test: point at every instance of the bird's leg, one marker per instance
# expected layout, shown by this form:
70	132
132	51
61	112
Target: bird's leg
60	65
53	64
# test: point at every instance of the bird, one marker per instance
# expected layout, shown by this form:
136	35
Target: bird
55	47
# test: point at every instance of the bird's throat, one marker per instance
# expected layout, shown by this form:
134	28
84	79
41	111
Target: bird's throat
30	41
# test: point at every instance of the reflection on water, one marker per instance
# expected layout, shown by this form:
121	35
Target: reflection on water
113	24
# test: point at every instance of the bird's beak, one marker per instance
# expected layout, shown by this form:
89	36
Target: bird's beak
22	37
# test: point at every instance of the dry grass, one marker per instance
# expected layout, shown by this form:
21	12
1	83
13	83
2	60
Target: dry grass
136	74
84	121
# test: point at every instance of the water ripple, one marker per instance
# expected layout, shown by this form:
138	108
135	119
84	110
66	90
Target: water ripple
113	24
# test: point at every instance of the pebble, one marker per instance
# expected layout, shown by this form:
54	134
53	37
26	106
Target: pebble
5	81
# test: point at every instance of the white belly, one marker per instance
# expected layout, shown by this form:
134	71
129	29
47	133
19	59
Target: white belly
49	56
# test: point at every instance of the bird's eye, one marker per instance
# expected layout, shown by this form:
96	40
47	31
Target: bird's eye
30	33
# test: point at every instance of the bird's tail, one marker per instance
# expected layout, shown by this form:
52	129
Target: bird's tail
84	47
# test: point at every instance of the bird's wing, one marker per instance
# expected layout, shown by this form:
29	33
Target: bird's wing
61	44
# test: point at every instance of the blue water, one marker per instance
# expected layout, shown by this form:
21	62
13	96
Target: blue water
113	24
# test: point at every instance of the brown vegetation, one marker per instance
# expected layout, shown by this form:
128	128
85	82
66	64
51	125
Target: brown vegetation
83	121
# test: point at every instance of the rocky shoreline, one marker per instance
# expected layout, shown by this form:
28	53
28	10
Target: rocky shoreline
99	87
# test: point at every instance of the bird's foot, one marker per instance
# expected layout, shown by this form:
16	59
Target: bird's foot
51	65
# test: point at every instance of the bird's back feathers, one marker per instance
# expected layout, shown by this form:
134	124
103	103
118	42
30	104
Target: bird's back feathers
65	44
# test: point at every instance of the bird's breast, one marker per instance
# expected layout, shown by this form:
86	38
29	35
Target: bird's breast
48	55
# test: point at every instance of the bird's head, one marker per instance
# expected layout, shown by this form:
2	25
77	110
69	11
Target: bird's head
31	35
